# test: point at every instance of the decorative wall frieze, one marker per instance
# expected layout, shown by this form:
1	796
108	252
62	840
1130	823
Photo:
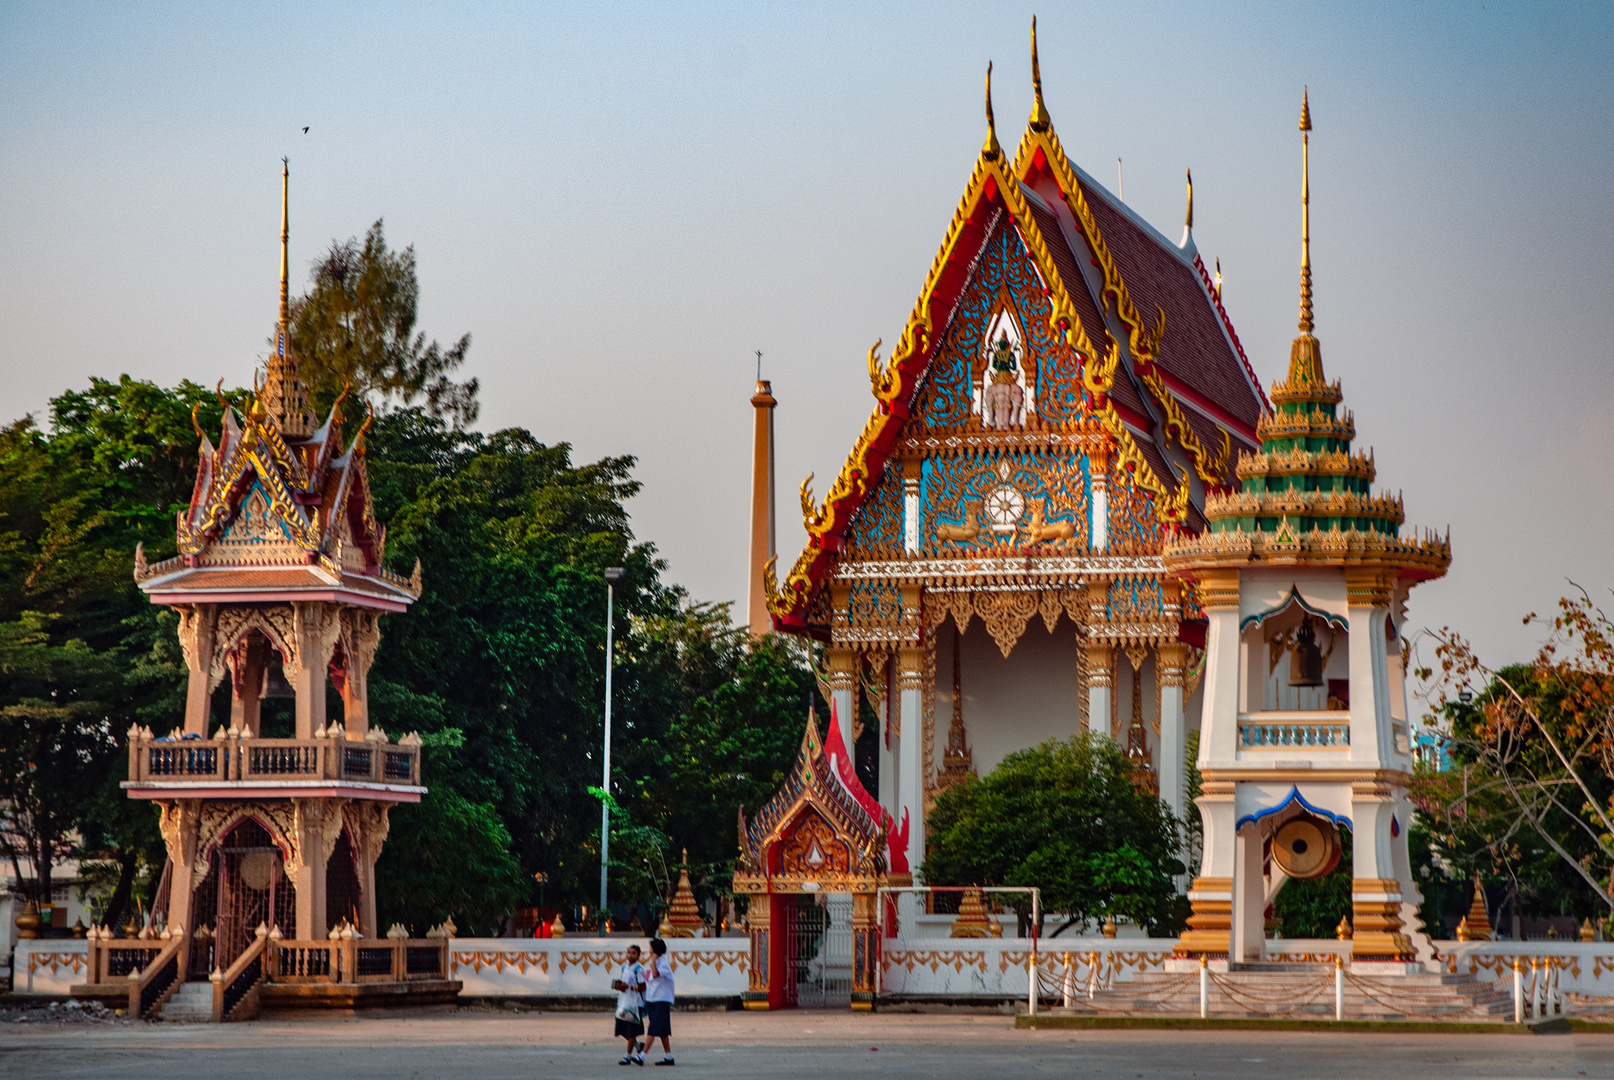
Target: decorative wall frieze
1041	570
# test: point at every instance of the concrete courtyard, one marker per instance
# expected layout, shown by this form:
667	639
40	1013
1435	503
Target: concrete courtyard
819	1045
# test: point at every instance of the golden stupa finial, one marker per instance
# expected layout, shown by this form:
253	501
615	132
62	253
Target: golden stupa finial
285	245
1189	222
991	151
1306	353
1040	120
1306	323
1218	279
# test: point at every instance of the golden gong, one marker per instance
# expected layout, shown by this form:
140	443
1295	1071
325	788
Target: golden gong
1306	847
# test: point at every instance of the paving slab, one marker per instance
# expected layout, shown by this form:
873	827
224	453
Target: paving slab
500	1043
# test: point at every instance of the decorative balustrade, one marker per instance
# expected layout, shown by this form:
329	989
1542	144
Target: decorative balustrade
244	760
1329	730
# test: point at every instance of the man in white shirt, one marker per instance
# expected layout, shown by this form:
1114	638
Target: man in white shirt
658	999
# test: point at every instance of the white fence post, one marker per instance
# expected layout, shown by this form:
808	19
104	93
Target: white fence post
1339	987
1518	993
1204	988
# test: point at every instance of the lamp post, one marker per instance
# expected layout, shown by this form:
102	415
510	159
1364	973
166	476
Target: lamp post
613	574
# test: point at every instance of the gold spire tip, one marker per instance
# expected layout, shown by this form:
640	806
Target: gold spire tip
285	261
1040	120
1190	222
1305	109
991	150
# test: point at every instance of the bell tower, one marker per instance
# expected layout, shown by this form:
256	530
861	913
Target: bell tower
1304	578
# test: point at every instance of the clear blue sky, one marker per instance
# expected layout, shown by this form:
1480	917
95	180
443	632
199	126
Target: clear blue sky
622	204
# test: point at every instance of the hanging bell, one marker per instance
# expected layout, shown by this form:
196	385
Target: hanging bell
275	684
1305	658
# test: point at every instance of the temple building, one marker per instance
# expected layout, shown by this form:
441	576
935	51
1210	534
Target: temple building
987	569
280	587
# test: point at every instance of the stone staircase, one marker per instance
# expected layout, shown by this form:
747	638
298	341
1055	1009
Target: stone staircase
191	1004
1302	992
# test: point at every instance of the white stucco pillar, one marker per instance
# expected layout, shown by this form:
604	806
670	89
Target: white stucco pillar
910	515
1171	768
842	664
1100	680
911	770
1248	943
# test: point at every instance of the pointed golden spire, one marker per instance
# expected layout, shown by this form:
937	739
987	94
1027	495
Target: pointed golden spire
1218	279
1306	353
283	396
991	151
1306	324
1189	223
1040	120
285	246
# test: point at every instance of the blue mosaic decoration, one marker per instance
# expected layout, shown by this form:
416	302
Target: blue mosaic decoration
962	498
1133	522
877	527
875	605
1135	599
1005	272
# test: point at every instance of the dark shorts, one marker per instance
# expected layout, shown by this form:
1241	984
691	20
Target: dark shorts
629	1029
660	1014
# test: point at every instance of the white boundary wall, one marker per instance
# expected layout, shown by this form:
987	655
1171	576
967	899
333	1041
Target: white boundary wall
918	967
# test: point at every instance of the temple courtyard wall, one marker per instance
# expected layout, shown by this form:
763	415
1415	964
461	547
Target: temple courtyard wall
715	970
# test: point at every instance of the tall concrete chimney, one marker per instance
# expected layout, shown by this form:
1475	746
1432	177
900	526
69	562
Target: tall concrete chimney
763	545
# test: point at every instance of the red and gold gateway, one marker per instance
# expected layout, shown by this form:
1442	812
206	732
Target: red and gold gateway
986	568
272	842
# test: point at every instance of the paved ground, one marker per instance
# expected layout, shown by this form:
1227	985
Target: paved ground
820	1046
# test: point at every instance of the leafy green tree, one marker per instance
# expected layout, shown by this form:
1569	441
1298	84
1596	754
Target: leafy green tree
357	325
448	856
1066	817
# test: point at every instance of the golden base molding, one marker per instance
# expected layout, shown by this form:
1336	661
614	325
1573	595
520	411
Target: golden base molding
1211	924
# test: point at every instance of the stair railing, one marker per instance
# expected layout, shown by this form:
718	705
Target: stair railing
149	990
235	992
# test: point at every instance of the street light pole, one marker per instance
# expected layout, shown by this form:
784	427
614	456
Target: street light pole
613	575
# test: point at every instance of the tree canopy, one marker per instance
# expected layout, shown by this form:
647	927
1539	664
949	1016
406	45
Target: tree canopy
1067	816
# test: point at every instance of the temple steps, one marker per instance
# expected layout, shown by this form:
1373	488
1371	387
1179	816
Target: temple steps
1295	993
191	1004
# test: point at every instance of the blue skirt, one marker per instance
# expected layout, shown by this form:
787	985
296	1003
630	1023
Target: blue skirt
660	1014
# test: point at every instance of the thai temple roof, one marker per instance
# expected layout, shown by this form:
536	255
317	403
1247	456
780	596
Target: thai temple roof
1160	362
281	509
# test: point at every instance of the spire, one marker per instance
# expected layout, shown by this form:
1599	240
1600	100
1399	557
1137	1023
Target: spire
763	536
1040	120
1306	353
991	151
1306	324
284	397
1189	222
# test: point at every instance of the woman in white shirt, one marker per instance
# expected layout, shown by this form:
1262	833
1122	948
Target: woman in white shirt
658	999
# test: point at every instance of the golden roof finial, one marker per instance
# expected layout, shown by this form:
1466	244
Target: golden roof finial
1306	323
991	151
1306	353
285	261
1189	223
1218	279
1040	120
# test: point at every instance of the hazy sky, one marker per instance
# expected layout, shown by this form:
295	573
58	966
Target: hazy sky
622	204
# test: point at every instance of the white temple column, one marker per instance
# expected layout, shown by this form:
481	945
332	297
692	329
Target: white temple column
910	514
1248	943
1169	660
842	664
1100	680
911	770
1098	464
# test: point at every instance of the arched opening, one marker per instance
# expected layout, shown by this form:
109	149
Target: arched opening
1297	658
246	885
342	888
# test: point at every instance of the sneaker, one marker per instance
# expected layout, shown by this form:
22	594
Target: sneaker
665	1061
625	1061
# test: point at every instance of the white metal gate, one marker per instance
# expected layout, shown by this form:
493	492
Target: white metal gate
822	955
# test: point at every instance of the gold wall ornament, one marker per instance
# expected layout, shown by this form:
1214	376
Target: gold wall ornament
812	515
957	761
965	532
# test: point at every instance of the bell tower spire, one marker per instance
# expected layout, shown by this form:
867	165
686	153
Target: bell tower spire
284	397
1040	120
1306	354
991	151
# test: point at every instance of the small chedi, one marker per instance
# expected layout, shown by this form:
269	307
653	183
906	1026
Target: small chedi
683	917
279	585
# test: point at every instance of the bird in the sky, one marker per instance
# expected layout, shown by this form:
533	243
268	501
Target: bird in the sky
305	131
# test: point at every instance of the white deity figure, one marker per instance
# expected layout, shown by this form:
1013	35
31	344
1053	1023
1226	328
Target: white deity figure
1003	401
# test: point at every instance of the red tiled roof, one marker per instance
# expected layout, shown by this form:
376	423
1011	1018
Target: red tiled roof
1195	350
